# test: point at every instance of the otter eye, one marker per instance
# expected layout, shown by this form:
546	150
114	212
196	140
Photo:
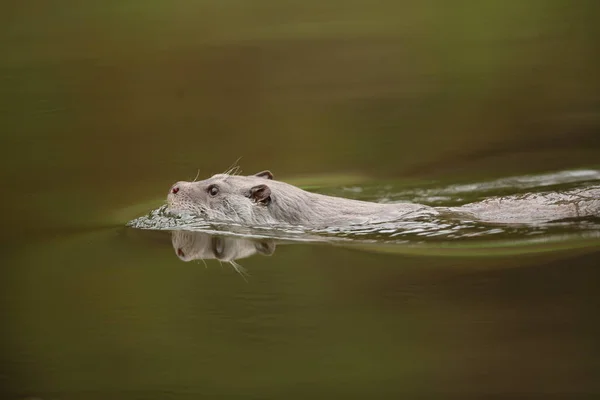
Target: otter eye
213	190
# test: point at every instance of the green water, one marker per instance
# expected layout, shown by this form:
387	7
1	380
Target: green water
104	106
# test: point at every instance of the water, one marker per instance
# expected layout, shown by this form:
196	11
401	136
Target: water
113	312
104	105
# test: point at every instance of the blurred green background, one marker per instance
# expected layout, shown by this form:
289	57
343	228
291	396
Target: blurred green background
134	95
103	105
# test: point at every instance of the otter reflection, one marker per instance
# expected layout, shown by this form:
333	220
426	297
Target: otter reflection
202	246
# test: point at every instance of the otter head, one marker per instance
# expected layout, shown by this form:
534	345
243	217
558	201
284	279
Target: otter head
224	197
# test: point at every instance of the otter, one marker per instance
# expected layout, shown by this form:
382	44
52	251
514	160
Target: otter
259	200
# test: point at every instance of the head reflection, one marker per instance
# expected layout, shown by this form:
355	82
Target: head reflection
201	246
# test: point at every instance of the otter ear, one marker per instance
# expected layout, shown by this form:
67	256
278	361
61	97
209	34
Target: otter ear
265	247
260	194
265	174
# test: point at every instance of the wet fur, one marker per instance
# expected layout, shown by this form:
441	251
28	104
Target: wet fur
244	200
287	204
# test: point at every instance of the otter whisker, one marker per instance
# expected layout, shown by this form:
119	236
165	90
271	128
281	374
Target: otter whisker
232	209
197	175
224	216
235	171
232	167
218	215
240	270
